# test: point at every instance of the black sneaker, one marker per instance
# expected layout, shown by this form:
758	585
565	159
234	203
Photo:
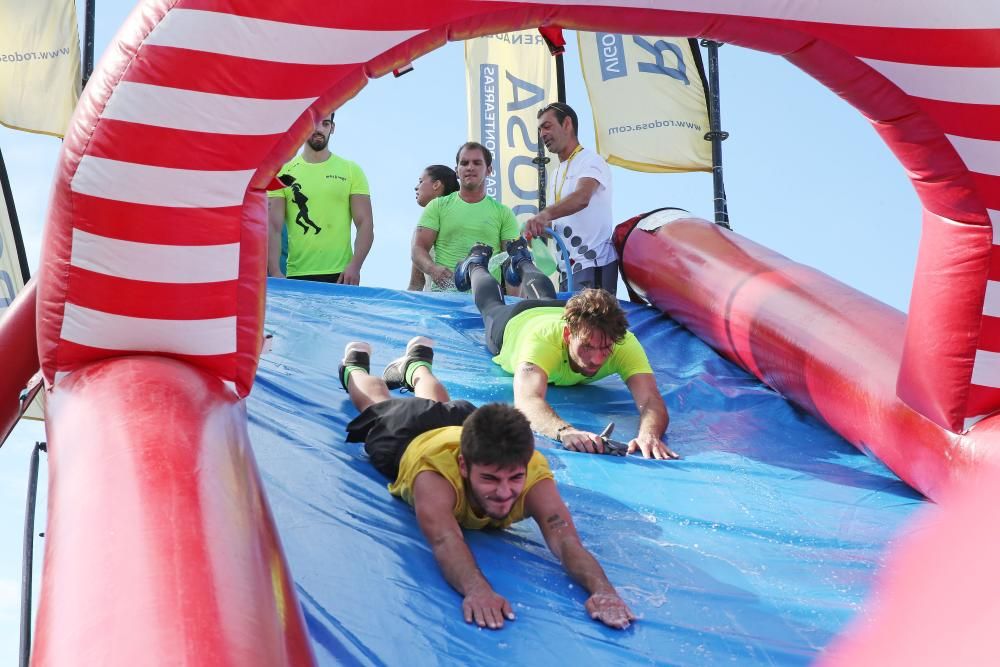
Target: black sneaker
518	252
356	353
479	255
420	348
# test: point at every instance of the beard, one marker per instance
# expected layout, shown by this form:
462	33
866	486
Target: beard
318	142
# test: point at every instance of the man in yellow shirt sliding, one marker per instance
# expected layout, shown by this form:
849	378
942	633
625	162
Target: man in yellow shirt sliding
463	467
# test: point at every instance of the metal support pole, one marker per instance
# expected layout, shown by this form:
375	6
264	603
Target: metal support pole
560	78
27	556
88	39
716	135
541	160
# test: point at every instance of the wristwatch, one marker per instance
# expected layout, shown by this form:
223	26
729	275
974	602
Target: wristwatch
559	431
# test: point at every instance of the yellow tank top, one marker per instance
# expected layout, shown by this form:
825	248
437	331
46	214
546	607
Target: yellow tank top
438	450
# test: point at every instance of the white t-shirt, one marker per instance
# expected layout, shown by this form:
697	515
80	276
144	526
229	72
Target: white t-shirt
586	233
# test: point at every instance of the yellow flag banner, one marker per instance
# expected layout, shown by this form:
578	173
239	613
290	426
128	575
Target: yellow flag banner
39	64
510	76
648	97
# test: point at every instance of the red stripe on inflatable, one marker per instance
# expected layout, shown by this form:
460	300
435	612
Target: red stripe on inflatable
160	301
179	149
982	400
995	264
76	356
251	290
360	15
977	121
919	46
989	189
188	568
20	358
989	338
232	75
156	224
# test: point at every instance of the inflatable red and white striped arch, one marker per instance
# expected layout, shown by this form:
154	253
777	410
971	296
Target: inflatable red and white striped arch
156	235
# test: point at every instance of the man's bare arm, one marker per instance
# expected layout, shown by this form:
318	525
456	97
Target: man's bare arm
530	387
653	417
361	213
275	223
433	501
578	200
420	253
547	508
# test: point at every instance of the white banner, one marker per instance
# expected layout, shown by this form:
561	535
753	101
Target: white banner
649	101
39	64
511	76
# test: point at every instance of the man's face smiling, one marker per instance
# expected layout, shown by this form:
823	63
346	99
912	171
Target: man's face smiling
587	350
472	169
320	137
493	490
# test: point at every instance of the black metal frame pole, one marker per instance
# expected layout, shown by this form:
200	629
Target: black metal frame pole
88	39
716	135
541	160
560	78
8	195
28	556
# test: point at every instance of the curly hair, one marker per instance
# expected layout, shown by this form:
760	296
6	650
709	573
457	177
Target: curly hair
596	310
497	434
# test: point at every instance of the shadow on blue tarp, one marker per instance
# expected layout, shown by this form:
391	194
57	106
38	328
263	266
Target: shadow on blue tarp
757	547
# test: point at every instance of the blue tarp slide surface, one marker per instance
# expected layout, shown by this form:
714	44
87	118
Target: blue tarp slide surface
758	547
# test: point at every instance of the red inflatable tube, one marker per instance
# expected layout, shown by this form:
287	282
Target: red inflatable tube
159	537
20	362
825	346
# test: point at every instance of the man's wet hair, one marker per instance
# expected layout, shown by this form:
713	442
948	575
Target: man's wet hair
446	175
561	110
475	145
497	434
596	310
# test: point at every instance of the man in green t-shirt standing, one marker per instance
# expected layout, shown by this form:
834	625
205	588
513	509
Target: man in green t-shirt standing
323	194
451	224
543	340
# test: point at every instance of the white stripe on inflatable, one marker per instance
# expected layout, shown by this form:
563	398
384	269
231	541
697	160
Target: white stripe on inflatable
159	186
201	112
882	13
995	219
968	85
991	306
260	39
980	155
106	331
986	369
175	264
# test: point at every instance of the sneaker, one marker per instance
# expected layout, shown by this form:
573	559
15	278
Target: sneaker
518	252
479	255
420	348
355	354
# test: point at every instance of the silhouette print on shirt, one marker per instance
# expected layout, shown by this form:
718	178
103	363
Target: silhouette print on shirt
302	218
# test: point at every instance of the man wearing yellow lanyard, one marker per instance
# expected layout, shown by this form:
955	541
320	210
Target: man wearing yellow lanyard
581	195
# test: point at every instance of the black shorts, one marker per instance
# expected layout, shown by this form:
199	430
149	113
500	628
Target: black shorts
318	278
388	427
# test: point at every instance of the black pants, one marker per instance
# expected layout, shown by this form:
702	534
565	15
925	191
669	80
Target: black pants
536	288
388	427
318	278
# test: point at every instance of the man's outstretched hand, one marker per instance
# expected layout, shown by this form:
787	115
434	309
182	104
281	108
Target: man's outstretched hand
486	608
609	609
651	448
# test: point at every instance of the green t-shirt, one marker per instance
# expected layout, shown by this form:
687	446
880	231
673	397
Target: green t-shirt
318	213
460	225
536	336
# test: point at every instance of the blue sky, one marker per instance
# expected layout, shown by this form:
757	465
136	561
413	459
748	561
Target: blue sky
806	175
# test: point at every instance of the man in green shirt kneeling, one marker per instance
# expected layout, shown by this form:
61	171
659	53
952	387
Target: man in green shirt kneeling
543	340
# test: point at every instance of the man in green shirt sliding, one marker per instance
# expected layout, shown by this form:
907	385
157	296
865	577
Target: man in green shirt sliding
323	193
451	224
543	340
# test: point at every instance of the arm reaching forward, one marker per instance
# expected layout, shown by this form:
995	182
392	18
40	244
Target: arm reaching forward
433	501
653	418
530	386
547	508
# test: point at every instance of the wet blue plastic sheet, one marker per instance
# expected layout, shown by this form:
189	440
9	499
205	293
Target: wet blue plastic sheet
758	547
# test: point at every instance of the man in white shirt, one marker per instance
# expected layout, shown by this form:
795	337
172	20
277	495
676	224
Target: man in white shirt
580	196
